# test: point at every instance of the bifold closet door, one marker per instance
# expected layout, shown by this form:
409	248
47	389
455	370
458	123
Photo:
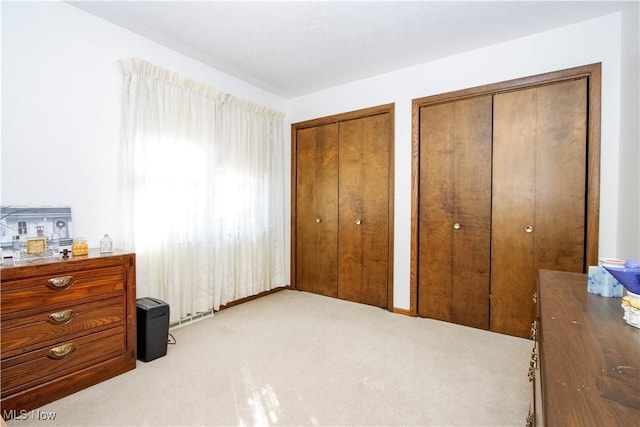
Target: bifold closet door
539	195
455	211
317	209
363	259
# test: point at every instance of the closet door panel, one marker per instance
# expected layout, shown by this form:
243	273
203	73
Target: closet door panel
513	248
435	219
539	195
363	261
317	210
561	176
472	211
455	211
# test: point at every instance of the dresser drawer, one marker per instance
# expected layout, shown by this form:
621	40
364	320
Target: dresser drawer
38	330
35	293
39	366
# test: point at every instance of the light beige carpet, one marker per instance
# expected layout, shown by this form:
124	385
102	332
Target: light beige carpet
297	359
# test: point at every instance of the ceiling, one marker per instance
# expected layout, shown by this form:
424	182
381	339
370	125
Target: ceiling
294	48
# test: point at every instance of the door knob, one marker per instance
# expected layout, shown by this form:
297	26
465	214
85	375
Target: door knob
528	229
358	222
318	220
457	226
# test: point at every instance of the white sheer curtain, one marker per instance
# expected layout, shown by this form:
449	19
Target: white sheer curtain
202	185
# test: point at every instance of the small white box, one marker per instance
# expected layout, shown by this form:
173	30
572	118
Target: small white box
602	283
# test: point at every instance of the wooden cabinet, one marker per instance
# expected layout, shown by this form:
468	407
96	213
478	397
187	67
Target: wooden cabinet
506	183
65	325
589	357
342	205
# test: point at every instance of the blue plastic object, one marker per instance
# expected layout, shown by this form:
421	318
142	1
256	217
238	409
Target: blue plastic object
628	277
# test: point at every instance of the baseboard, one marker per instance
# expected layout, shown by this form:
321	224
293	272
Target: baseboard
403	311
252	297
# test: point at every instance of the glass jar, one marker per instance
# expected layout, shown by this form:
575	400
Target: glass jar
106	245
79	247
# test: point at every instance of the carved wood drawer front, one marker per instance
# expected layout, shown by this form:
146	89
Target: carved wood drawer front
48	327
37	292
39	366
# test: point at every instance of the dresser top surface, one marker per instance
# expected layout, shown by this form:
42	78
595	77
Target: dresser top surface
9	270
590	356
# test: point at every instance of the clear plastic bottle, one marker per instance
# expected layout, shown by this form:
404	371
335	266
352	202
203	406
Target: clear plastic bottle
53	245
16	248
106	245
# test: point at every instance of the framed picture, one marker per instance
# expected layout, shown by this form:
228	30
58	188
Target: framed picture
36	245
31	222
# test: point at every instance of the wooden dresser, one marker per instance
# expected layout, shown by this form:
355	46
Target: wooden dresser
65	325
586	363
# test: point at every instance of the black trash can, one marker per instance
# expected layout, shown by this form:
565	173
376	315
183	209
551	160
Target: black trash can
153	328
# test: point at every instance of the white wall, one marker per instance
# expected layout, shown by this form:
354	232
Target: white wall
629	172
61	106
62	83
597	40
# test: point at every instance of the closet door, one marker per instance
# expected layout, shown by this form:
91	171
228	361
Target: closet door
317	209
539	193
455	211
363	261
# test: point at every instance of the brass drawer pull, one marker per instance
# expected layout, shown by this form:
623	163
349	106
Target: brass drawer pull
61	316
533	365
532	373
530	422
534	330
60	282
62	351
